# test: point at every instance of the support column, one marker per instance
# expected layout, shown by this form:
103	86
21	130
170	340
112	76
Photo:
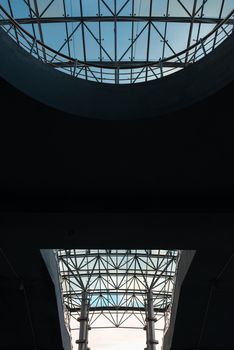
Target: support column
83	319
117	75
150	320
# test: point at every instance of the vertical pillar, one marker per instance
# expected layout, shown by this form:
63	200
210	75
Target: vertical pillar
150	320
83	319
117	75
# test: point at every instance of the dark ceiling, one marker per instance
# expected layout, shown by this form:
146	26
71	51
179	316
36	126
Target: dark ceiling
183	160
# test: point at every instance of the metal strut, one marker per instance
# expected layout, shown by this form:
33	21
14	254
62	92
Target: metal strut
150	320
83	319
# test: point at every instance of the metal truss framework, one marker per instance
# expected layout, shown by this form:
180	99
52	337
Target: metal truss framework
118	288
119	41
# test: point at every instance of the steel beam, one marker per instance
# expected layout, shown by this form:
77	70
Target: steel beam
117	308
41	20
120	64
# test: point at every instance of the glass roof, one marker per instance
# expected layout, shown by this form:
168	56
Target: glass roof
118	41
116	283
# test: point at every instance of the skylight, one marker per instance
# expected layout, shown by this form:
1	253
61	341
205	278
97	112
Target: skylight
118	41
124	289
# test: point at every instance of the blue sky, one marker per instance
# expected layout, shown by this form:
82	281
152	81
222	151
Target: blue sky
54	34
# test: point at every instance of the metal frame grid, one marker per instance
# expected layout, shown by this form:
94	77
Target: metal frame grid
117	283
119	41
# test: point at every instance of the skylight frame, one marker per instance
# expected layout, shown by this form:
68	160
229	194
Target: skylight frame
115	65
117	283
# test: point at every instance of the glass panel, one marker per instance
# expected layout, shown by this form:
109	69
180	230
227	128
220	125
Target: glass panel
105	32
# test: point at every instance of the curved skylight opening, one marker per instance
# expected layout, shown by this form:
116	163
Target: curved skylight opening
118	41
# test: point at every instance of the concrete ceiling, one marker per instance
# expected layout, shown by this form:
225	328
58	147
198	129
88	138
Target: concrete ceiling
47	155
